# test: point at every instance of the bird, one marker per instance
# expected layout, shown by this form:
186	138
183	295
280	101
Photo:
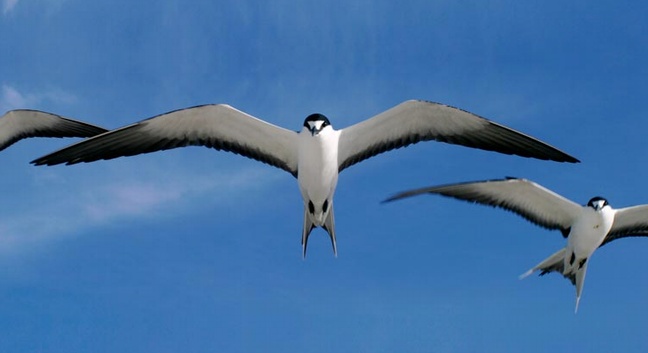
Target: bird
18	124
316	154
586	228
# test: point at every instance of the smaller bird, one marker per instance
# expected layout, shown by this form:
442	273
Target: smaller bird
18	124
586	228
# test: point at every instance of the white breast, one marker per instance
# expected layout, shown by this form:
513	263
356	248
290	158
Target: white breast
590	230
317	164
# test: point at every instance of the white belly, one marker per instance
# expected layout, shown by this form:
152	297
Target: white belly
317	170
589	231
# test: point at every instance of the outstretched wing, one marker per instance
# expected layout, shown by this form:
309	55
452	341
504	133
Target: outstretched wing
629	222
18	124
524	197
414	121
217	126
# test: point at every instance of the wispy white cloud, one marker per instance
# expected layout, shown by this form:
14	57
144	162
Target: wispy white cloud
8	6
64	214
51	6
11	98
137	198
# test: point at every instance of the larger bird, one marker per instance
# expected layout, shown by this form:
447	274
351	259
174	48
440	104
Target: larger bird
23	123
586	227
317	153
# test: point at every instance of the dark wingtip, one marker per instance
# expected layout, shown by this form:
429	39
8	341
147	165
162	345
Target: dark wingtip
390	199
402	195
37	162
563	157
41	161
45	161
571	159
559	156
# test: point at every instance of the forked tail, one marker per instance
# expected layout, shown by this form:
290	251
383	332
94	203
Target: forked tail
329	227
556	263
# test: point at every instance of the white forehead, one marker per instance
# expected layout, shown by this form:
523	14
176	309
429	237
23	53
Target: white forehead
599	204
317	124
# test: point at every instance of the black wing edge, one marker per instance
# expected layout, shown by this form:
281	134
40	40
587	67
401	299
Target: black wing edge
538	149
624	234
68	155
492	203
65	128
414	192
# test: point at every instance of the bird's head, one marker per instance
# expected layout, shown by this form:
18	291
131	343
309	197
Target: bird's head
597	203
315	123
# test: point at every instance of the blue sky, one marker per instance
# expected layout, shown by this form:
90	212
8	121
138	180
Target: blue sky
196	250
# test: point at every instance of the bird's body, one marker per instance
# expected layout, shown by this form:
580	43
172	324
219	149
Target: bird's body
24	123
317	176
588	233
586	227
585	236
316	154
